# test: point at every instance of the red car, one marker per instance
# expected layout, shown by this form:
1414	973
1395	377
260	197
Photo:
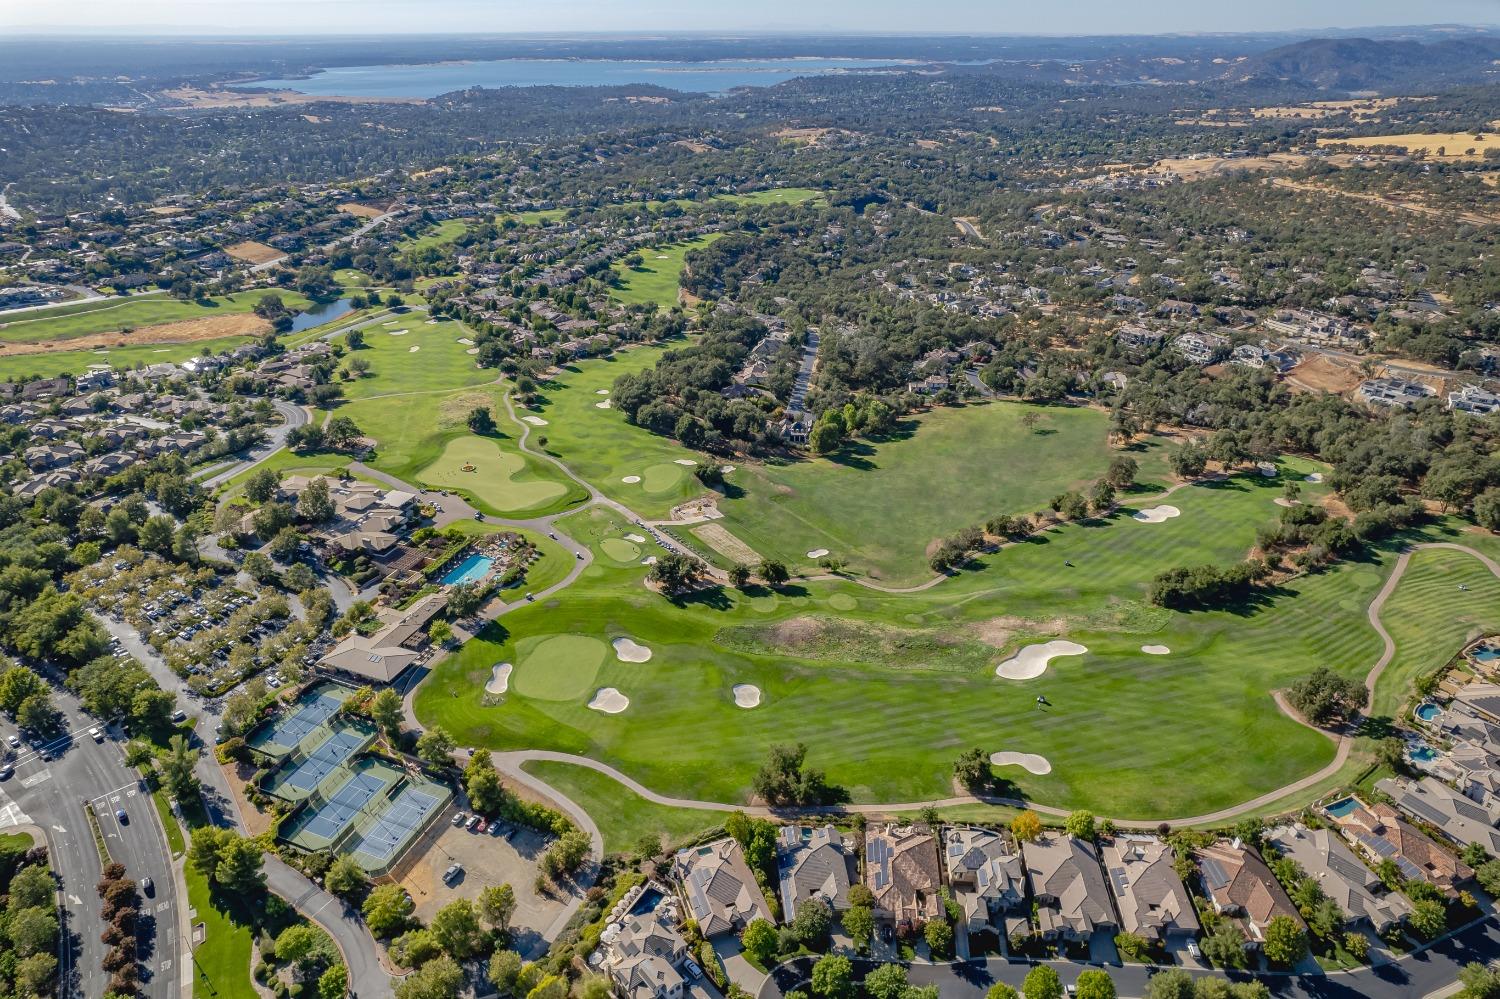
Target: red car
483	825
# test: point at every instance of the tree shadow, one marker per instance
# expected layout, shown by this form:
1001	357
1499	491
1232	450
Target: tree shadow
712	597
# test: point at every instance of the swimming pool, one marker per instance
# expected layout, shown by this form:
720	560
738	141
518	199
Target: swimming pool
1341	808
472	568
1422	753
649	900
1486	654
1428	711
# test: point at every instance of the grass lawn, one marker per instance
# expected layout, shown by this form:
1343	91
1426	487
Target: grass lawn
72	362
438	235
881	505
136	312
655	280
536	217
623	816
602	448
553	562
287	463
424	358
505	482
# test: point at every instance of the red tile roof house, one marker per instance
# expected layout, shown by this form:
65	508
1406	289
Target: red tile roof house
1239	883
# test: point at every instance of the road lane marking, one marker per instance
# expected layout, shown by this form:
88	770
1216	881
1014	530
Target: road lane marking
11	815
34	779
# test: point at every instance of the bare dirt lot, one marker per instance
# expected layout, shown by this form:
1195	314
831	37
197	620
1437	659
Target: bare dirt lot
253	253
185	331
214	97
487	860
717	537
806	136
364	211
1322	374
1453	145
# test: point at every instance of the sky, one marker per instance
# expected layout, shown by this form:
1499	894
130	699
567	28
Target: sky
576	16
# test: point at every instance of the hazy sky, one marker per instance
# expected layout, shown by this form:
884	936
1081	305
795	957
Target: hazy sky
978	16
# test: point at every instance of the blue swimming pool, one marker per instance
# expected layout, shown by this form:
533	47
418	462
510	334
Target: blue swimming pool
1486	654
1422	754
649	900
1341	808
1428	711
472	568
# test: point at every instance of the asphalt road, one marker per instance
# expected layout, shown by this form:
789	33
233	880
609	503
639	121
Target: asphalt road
52	793
291	418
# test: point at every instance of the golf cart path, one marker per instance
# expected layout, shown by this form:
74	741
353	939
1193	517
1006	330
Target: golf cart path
511	762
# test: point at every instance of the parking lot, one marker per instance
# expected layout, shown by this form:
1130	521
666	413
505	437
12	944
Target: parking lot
487	859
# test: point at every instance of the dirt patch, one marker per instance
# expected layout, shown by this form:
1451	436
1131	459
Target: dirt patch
165	210
1336	507
487	860
796	631
1437	145
363	211
253	253
998	631
806	136
454	410
929	144
214	97
717	537
836	642
1319	373
184	331
693	146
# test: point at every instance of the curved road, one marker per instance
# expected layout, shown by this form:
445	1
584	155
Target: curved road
291	417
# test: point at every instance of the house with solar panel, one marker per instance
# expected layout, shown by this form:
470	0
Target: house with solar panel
1463	821
1242	887
1152	901
1380	833
1346	879
988	880
1067	884
901	871
644	957
812	863
720	889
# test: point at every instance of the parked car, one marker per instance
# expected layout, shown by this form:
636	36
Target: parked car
7	771
692	968
453	873
474	821
459	819
1192	949
13	741
483	826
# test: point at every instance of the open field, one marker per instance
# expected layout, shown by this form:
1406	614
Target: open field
72	362
655	280
363	211
213	97
137	313
444	232
253	253
536	217
503	481
1454	145
1120	725
623	816
881	505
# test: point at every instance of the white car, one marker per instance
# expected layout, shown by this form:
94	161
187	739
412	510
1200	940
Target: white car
13	741
95	734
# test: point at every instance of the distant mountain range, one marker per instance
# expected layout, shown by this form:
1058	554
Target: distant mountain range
1366	64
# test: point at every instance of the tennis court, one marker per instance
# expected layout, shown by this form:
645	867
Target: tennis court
283	734
396	826
324	824
331	754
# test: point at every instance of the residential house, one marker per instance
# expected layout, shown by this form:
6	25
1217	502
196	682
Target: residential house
901	870
58	455
1152	901
1379	832
1240	884
1392	393
1342	876
56	479
988	880
644	957
1200	348
1072	900
931	385
1259	357
1481	696
1138	338
1475	400
811	863
1463	821
721	891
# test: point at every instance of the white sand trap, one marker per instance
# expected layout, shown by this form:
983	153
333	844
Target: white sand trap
499	679
472	350
609	700
466	341
726	469
1156	650
1031	662
432	322
397	332
1267	469
1030	762
1156	514
414	348
163	350
1313	477
535	421
601	391
393	322
1283	501
746	695
690	463
636	538
602	405
630	651
817	553
649	561
630	480
661	256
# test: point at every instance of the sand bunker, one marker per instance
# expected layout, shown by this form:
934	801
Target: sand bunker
472	350
690	463
1030	762
726	469
1283	501
649	561
1267	469
1031	662
609	700
1156	514
817	553
661	256
746	695
499	679
535	421
602	405
630	652
466	341
1313	477
601	391
393	322
631	479
636	538
413	349
397	332
1156	650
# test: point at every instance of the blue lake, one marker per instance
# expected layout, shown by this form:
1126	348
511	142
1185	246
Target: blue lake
320	313
431	79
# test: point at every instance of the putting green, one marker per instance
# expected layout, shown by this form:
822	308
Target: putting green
663	478
843	602
620	550
499	477
560	668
